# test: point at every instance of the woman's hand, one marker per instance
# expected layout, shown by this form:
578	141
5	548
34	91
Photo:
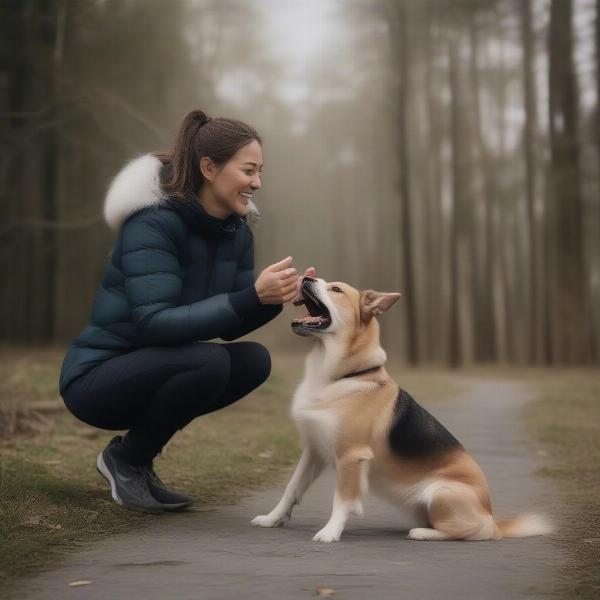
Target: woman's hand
277	283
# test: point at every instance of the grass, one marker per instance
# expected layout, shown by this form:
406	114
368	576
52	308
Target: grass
51	497
565	419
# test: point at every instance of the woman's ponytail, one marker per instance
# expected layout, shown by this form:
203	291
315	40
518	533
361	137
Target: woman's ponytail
198	136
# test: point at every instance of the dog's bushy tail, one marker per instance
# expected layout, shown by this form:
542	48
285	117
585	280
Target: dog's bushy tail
524	526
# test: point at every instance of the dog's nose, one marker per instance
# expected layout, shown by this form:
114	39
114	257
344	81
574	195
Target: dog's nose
301	280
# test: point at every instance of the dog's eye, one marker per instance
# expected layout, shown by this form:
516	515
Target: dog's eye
335	288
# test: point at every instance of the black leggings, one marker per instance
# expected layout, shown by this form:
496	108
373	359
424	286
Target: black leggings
155	391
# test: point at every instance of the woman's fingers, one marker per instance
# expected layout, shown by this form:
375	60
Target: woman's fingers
282	264
289	297
291	272
287	280
289	288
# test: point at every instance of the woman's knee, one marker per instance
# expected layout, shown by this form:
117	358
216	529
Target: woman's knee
252	358
262	361
217	368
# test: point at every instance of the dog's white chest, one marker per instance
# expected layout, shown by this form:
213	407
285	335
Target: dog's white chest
317	424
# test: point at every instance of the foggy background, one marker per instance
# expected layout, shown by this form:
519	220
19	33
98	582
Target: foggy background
449	150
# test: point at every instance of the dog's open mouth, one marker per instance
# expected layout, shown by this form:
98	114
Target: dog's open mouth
318	316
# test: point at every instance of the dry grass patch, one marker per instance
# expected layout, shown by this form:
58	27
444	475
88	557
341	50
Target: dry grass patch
566	420
51	496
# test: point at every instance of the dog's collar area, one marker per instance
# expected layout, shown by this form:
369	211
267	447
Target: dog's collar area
356	373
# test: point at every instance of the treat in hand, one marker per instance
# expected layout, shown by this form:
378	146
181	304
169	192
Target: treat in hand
277	283
310	272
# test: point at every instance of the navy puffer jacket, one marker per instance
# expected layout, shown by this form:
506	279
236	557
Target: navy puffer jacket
176	275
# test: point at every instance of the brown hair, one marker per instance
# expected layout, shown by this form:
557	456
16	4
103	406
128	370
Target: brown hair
199	136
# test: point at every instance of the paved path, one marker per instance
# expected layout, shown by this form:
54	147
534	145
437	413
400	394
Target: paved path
216	554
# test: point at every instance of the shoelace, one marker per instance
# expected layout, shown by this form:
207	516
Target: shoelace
139	484
153	476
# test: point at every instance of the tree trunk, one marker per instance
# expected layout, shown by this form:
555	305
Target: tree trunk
529	147
485	324
454	341
571	334
400	44
434	254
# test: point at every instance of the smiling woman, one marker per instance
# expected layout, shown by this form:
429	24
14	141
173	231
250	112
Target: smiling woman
233	183
181	273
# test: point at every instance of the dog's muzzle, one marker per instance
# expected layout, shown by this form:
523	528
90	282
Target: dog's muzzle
318	316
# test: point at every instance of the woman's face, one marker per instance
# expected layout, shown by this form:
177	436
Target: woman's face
233	184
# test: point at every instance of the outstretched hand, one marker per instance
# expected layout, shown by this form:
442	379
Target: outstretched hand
277	283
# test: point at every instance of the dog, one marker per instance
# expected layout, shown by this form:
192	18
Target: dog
352	415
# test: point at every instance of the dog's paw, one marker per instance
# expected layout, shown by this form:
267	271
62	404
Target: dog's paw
357	508
425	533
327	534
265	521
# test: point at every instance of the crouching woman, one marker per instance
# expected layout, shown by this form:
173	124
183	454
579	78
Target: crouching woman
181	273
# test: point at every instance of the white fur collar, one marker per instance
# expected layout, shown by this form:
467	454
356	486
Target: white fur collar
134	187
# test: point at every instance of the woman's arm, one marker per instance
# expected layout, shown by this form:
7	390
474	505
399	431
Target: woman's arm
253	321
257	315
153	285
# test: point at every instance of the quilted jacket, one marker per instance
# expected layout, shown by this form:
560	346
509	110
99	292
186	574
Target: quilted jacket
176	275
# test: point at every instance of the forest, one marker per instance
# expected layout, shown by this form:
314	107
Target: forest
449	150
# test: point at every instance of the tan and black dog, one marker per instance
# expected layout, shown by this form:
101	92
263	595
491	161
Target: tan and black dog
352	415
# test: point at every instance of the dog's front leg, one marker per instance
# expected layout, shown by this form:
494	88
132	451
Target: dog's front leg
351	484
309	467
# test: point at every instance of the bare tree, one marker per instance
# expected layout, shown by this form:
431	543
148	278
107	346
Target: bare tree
570	330
397	15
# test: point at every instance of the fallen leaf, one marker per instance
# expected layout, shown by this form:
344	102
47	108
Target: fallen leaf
78	583
325	592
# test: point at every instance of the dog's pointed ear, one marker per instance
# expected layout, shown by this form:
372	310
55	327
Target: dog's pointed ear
373	303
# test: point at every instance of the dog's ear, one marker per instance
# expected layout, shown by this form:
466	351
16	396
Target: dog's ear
373	303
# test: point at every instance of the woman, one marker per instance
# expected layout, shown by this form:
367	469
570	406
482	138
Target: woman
180	273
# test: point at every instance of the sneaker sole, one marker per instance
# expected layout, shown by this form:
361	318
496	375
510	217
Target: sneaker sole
103	470
176	506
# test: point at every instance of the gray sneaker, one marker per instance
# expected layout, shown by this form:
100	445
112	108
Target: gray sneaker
128	483
169	499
